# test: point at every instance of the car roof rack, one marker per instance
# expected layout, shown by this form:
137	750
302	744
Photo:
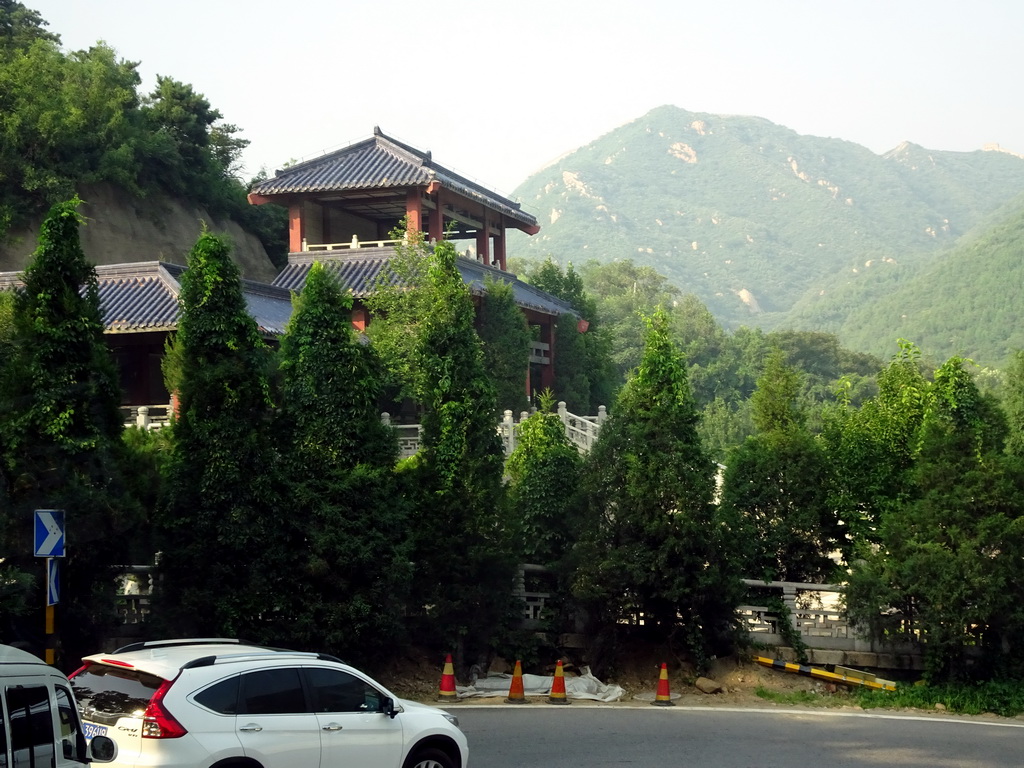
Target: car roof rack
206	661
179	642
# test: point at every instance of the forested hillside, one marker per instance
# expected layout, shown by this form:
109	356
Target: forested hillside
76	119
965	302
751	216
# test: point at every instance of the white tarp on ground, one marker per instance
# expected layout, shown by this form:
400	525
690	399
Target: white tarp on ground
586	686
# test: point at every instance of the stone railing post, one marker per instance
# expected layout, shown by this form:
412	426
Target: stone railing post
142	418
602	414
385	419
789	599
508	432
563	412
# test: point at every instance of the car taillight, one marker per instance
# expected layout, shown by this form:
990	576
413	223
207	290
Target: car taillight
157	722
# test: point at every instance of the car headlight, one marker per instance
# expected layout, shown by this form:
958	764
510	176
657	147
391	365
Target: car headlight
451	719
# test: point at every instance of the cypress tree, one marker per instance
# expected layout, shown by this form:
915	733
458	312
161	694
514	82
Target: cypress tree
61	430
225	534
340	462
655	545
464	572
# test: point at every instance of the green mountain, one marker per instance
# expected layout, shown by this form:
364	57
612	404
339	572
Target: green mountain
752	217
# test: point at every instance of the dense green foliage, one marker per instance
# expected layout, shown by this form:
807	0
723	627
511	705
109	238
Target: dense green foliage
776	486
948	554
506	338
60	432
654	547
544	478
221	525
352	565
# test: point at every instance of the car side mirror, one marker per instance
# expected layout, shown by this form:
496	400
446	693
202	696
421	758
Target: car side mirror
387	706
102	749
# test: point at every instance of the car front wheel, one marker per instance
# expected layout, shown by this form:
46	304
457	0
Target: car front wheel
429	758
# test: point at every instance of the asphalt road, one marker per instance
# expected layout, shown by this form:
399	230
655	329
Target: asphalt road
540	735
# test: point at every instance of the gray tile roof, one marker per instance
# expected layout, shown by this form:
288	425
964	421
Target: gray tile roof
381	163
143	296
358	271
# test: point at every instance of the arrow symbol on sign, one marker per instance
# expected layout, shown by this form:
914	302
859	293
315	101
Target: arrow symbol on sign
53	532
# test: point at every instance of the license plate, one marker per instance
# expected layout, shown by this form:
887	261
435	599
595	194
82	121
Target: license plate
91	730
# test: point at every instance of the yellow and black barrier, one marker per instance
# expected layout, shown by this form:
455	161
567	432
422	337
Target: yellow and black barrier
842	675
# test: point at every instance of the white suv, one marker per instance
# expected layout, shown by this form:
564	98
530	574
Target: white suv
214	703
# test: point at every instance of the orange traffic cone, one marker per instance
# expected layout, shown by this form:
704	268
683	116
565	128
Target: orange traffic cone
662	698
516	694
557	695
447	692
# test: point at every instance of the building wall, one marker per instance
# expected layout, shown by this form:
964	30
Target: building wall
340	226
313	222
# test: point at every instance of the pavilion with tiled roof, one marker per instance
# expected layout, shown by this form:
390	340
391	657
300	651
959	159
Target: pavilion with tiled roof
363	193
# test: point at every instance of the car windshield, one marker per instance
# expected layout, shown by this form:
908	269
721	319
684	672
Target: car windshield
107	693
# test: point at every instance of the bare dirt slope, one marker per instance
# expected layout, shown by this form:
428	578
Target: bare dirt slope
120	228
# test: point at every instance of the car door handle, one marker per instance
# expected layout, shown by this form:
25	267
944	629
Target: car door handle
251	727
332	727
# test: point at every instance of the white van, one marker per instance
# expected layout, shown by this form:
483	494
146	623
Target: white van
39	726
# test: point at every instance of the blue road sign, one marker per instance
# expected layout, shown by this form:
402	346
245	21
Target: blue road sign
49	537
52	581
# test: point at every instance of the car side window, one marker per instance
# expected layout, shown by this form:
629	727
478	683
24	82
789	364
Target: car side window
338	691
31	726
71	737
221	697
272	692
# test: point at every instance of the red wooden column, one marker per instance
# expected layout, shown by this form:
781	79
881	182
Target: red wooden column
499	247
296	228
435	225
483	241
413	212
547	372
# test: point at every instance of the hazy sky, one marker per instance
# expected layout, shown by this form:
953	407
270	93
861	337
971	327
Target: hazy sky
497	90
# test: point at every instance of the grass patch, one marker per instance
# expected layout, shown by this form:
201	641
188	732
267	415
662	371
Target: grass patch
1005	699
797	698
998	697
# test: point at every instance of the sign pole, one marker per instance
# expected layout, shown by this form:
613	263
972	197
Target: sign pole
51	635
49	544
